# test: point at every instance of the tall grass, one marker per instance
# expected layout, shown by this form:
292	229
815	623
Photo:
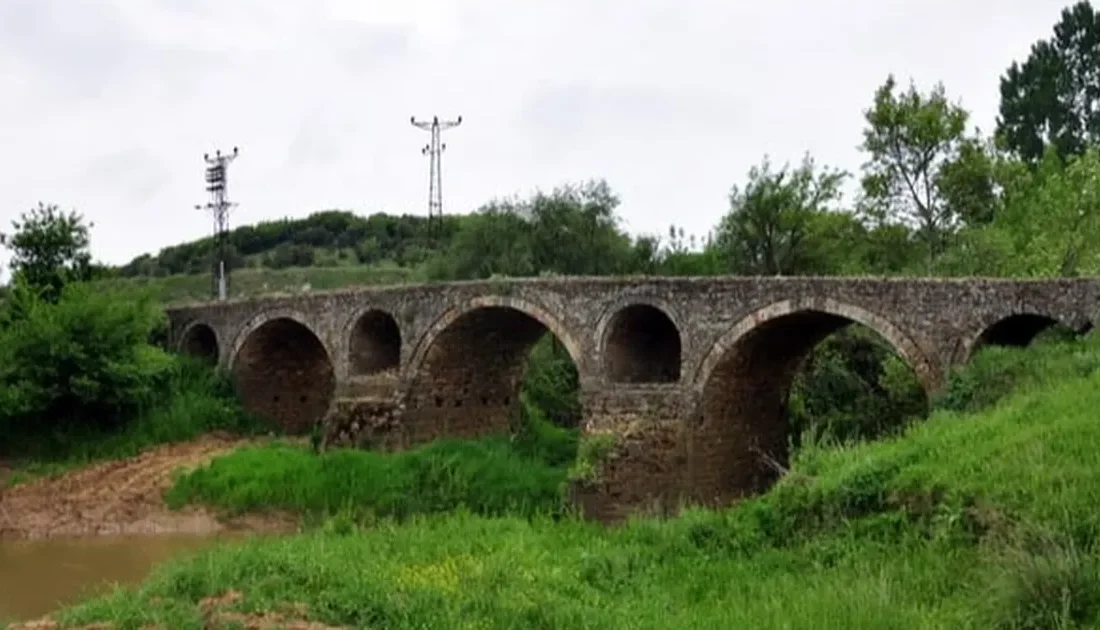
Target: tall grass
970	520
485	476
521	474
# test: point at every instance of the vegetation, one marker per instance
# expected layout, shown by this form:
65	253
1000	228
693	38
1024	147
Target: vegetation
982	520
79	375
494	477
982	516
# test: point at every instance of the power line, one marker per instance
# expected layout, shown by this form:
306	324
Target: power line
434	150
217	171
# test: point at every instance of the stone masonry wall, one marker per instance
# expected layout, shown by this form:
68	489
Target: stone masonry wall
696	437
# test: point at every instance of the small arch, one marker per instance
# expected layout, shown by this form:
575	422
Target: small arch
283	374
1019	330
375	344
465	377
642	345
199	340
739	430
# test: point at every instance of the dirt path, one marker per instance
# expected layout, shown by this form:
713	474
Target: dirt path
120	497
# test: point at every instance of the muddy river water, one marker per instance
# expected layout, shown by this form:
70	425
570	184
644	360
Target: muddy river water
40	576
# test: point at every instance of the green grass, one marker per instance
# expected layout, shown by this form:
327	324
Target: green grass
969	520
486	476
254	281
521	474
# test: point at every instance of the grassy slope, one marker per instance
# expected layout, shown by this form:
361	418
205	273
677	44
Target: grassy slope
260	281
980	520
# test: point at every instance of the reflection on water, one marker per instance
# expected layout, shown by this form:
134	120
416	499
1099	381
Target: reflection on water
40	576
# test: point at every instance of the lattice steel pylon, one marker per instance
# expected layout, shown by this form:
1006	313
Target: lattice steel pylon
217	185
434	150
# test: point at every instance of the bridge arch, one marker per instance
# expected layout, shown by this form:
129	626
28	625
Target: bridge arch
463	378
640	342
1018	329
739	430
283	371
200	340
374	342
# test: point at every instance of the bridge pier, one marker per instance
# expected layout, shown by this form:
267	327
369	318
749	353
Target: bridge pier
644	468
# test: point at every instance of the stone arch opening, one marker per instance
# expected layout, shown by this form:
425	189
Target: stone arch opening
1020	329
738	441
375	344
200	341
469	379
643	346
284	375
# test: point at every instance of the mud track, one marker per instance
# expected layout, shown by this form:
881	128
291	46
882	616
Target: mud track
122	497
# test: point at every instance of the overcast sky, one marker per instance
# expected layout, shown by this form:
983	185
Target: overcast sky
107	106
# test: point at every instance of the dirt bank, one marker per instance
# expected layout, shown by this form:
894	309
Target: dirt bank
217	613
121	497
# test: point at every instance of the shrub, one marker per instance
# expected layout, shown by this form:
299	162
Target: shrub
80	377
82	363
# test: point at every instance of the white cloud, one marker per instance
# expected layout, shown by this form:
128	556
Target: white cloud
109	104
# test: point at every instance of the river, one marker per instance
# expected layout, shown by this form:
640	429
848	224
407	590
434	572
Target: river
39	576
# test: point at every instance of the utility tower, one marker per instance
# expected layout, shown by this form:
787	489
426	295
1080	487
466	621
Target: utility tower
434	150
218	206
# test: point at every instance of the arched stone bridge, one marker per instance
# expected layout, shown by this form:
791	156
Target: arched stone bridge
692	374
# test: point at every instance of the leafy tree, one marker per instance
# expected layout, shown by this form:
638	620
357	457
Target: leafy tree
496	240
573	230
50	249
766	229
967	183
921	169
1049	222
678	255
1054	96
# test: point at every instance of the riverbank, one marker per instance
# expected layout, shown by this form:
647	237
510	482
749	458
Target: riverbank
125	496
969	520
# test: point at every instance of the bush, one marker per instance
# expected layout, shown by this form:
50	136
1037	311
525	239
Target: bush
80	377
81	363
551	383
852	387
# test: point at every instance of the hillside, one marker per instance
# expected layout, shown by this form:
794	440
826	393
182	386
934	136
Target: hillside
325	250
326	239
968	520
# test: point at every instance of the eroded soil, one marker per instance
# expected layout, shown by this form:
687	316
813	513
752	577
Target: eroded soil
122	497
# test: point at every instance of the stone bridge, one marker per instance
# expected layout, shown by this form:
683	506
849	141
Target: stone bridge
690	374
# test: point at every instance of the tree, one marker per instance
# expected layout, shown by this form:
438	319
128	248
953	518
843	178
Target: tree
50	249
922	169
1054	96
1050	224
765	231
573	230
